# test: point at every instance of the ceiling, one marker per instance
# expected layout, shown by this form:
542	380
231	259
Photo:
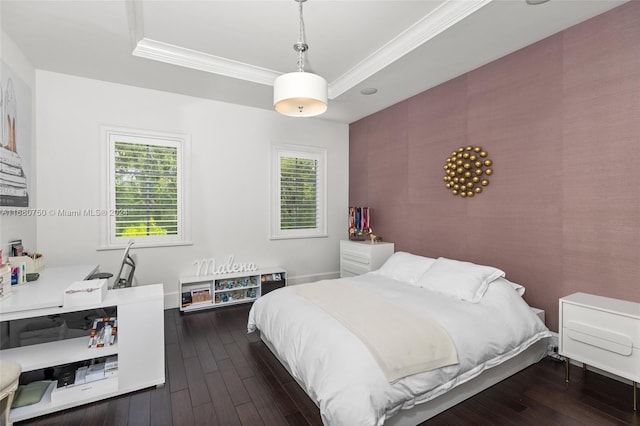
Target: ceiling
232	50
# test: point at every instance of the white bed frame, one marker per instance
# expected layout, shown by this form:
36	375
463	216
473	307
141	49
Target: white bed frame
421	412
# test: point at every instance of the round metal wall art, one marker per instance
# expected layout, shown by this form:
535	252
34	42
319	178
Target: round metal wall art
466	171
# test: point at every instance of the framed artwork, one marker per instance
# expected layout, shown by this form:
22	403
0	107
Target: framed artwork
103	332
15	146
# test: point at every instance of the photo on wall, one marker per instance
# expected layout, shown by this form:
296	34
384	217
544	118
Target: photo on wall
15	146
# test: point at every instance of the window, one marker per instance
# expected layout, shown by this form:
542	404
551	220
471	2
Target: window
146	197
298	192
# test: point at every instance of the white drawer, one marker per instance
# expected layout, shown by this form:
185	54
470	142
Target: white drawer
602	324
601	332
602	354
356	257
349	269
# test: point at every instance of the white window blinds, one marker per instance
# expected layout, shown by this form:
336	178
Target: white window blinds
299	198
146	189
298	193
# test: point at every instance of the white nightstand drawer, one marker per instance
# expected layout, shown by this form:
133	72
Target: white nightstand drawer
599	337
356	257
601	353
349	269
602	324
601	332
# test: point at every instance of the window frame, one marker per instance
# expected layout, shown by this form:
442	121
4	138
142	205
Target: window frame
182	143
307	152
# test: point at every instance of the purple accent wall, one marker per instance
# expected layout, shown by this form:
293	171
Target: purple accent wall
561	121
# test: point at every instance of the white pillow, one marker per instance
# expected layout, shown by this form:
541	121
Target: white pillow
406	267
517	287
462	280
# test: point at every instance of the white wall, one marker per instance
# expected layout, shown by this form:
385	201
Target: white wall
18	67
231	148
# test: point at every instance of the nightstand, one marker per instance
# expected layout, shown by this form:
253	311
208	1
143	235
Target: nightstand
360	257
601	332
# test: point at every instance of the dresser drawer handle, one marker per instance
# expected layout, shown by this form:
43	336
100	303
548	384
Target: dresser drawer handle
599	342
600	333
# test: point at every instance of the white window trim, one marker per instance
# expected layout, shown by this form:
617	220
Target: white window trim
276	233
109	134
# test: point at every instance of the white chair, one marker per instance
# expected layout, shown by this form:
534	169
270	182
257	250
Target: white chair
9	378
125	274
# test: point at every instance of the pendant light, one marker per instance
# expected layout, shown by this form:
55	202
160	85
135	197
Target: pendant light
300	93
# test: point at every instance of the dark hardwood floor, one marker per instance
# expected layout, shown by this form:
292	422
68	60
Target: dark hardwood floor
217	374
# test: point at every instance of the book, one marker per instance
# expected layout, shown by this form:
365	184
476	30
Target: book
103	332
201	295
186	299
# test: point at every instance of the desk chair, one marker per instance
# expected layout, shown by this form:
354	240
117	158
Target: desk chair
125	274
9	378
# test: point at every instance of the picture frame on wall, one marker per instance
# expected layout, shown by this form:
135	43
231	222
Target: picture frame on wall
15	145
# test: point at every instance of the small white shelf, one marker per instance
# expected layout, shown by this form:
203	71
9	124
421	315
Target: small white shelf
218	287
237	288
236	301
58	353
78	395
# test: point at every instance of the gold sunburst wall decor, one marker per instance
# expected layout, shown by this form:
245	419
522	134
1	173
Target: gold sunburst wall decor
467	170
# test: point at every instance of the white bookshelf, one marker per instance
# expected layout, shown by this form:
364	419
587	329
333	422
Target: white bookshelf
227	289
59	352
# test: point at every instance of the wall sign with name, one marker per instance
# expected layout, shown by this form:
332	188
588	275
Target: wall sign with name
209	266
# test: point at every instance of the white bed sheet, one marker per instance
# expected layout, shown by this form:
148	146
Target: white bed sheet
342	377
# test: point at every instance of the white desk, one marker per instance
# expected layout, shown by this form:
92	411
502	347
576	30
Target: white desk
46	294
139	346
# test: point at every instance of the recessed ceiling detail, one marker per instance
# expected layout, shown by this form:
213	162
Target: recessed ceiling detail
443	17
434	23
232	51
176	55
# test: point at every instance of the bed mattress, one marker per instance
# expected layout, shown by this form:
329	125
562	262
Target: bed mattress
339	373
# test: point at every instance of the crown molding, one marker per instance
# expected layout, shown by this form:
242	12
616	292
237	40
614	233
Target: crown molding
425	29
135	21
176	55
171	54
432	24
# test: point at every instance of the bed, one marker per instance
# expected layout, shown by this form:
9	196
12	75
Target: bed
439	331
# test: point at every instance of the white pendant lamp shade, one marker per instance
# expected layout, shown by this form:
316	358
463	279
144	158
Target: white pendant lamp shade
300	94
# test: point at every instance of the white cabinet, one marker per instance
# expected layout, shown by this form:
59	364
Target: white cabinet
139	349
212	291
359	257
601	332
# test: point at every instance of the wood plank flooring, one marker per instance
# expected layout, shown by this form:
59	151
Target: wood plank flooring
217	374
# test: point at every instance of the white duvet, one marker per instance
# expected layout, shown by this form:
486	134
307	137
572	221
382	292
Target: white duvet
340	374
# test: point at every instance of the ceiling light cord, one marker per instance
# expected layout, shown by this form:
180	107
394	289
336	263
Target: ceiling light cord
301	46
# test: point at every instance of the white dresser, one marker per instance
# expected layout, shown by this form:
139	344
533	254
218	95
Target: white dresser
359	257
601	332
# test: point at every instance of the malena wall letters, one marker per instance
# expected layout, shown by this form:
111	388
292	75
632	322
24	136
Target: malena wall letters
209	267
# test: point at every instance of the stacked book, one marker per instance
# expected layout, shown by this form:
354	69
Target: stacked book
13	182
